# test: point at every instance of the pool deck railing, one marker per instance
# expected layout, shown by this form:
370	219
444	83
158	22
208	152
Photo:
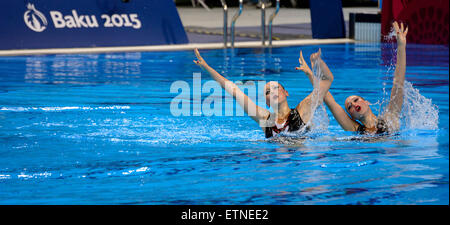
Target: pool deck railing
179	47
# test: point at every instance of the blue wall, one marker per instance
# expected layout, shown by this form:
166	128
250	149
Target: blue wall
33	24
327	19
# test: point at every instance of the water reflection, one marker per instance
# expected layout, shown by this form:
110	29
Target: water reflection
83	69
36	69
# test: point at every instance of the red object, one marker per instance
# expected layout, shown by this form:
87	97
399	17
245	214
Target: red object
427	20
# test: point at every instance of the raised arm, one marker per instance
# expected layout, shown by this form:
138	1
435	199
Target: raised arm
257	113
327	76
396	100
307	106
338	112
340	115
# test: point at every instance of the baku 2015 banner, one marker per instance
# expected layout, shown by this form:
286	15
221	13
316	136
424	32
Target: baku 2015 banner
37	24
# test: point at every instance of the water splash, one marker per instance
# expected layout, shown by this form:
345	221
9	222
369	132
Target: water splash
390	36
418	112
319	120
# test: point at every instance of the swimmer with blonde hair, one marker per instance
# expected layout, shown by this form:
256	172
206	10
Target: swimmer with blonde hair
284	118
358	108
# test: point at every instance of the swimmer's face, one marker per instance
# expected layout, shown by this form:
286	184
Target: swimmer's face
275	93
356	106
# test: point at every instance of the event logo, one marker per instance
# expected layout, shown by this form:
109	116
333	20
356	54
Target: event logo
34	19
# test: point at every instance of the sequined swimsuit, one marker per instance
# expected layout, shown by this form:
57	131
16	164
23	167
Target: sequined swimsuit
381	128
293	123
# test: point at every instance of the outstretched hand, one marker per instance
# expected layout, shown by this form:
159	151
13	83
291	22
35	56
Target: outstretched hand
200	61
315	55
303	65
400	33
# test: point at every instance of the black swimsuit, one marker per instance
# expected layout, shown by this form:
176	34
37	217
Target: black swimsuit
381	128
294	122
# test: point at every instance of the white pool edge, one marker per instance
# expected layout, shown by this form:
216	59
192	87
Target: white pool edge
179	47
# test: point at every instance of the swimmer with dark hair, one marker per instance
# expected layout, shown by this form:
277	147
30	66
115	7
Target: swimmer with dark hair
284	118
358	108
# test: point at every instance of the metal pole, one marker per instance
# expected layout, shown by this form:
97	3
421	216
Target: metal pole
204	5
271	20
225	22
263	21
233	22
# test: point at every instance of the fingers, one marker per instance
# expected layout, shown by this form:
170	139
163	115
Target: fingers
316	54
395	24
196	52
400	30
301	60
302	68
200	60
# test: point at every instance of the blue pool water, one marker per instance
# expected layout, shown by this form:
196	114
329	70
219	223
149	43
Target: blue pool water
97	129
